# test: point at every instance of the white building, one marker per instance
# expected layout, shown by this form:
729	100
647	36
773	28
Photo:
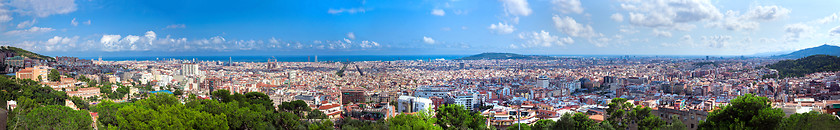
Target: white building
542	81
466	99
190	69
409	104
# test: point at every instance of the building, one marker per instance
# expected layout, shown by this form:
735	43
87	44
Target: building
431	91
352	95
84	92
33	73
332	110
409	104
542	81
190	69
466	99
16	61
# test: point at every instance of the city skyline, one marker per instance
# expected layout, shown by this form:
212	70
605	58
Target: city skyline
461	27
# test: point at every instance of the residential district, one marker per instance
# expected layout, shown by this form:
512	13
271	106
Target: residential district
505	91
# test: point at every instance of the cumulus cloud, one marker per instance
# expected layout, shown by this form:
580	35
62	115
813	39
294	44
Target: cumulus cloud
835	31
570	27
829	19
735	22
718	41
617	17
428	40
5	14
176	26
660	33
438	12
33	30
568	6
793	32
56	43
43	8
516	7
26	24
669	13
351	35
348	10
502	28
767	13
543	39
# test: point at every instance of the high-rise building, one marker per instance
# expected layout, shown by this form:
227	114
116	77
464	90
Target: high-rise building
542	81
190	69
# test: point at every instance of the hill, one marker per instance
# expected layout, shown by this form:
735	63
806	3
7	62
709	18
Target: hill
504	56
25	53
807	65
820	50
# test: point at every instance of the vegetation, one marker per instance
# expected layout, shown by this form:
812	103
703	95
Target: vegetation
54	76
807	65
25	53
754	112
456	117
54	117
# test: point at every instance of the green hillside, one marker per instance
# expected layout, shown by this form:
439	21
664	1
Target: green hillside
25	53
807	65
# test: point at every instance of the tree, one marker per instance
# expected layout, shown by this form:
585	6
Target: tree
55	117
322	125
411	122
519	126
81	104
676	124
456	117
54	75
810	120
316	114
221	95
744	112
543	125
297	107
617	111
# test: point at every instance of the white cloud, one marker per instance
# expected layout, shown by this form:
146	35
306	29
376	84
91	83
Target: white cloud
568	6
835	31
349	10
516	7
43	8
687	39
351	35
74	22
26	24
718	41
828	19
767	13
669	13
617	17
428	40
438	12
543	39
176	26
660	33
570	27
735	22
5	14
32	30
502	28
55	43
793	32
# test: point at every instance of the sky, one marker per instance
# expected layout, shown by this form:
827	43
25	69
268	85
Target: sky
416	27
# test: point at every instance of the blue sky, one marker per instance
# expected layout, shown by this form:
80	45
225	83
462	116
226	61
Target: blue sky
409	27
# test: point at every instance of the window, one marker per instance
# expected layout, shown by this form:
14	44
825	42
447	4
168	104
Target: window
692	126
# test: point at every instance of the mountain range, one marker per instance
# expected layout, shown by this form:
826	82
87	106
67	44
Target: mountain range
825	49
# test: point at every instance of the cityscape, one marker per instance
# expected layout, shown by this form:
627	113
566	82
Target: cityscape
420	65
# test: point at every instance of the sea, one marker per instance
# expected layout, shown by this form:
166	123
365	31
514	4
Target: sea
297	58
